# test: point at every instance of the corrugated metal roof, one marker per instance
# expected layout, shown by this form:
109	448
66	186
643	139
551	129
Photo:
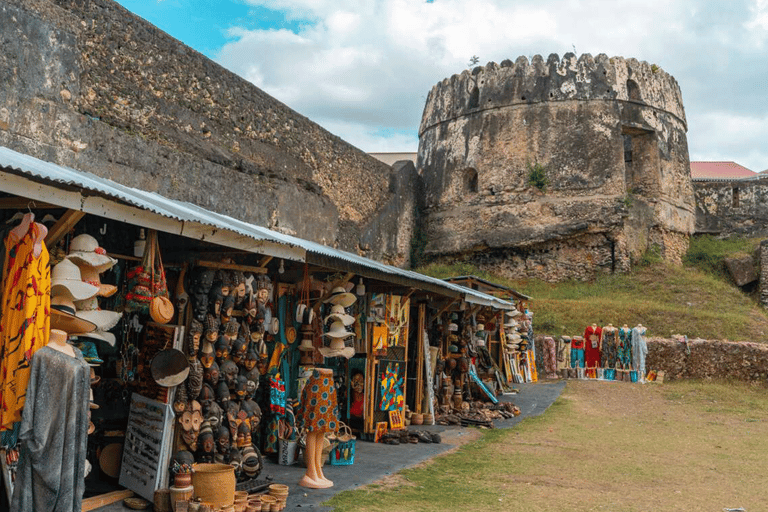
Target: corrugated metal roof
187	212
718	171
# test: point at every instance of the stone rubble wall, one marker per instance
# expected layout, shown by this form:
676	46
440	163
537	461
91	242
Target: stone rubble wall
718	213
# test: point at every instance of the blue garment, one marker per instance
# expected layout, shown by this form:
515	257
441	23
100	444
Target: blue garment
639	350
577	358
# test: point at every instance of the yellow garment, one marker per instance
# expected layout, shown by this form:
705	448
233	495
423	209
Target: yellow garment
25	325
274	361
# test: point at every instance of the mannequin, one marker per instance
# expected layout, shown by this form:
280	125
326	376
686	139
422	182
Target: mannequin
609	346
639	351
624	353
320	416
58	341
592	339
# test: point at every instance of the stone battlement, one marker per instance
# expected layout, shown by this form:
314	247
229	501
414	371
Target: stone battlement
571	78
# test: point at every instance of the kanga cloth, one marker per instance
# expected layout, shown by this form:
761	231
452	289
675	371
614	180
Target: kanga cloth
26	320
639	350
624	353
53	434
610	348
550	357
318	409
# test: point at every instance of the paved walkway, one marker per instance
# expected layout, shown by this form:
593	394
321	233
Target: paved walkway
374	461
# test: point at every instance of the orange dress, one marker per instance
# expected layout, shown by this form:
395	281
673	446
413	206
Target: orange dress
25	324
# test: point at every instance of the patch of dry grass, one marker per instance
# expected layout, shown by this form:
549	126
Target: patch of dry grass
603	446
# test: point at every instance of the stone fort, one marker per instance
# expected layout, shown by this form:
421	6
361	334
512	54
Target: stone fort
89	85
607	137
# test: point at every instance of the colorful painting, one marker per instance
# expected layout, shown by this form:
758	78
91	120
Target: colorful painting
396	420
381	429
380	340
397	319
391	388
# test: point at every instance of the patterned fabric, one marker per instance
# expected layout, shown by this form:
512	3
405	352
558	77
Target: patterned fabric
610	349
550	357
318	409
277	394
26	319
639	349
592	337
624	356
577	358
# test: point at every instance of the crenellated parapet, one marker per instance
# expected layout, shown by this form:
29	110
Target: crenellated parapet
571	78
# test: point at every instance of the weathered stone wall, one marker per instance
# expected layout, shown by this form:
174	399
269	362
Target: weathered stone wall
732	207
88	84
763	258
609	133
708	359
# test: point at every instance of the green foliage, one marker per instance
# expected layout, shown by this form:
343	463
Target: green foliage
651	257
537	176
708	253
654	68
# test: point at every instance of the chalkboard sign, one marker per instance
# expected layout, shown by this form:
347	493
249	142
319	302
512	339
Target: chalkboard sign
146	452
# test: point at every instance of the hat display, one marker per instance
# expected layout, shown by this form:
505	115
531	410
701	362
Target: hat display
107	337
66	279
304	314
338	330
452	327
480	327
338	314
64	316
89	310
337	349
88	348
340	296
511	323
85	250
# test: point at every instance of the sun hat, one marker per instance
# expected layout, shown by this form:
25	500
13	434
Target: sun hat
66	278
480	327
89	310
304	314
338	314
91	276
337	349
104	336
338	330
511	322
64	316
341	296
85	249
88	349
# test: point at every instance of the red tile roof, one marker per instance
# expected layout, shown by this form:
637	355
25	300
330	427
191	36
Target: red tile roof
719	171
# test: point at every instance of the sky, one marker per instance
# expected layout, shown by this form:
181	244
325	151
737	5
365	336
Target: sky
362	68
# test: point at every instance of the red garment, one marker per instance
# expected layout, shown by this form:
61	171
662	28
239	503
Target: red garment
592	337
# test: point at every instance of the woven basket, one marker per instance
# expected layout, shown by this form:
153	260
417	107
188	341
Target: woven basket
214	484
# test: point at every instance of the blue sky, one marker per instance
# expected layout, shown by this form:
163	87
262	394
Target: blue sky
363	68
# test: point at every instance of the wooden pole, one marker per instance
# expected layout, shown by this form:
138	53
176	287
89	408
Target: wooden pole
420	359
230	266
63	226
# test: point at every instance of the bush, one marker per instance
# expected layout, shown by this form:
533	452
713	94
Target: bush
708	253
537	176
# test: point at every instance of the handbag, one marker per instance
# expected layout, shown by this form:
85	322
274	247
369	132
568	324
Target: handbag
148	290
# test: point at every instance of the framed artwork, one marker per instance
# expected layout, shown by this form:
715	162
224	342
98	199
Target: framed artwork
381	429
396	420
391	380
397	320
377	308
380	340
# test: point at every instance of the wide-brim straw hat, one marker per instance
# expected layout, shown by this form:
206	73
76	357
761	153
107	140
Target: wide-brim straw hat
91	276
338	314
104	336
337	349
64	316
340	296
66	278
306	345
89	310
338	330
511	323
85	249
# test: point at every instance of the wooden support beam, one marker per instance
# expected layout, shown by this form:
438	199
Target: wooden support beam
22	203
340	282
265	260
63	226
230	266
454	301
123	257
103	500
408	295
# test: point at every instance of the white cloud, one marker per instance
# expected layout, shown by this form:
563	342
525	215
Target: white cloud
363	68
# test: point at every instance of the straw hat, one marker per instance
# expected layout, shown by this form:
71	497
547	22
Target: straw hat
338	330
511	323
64	316
338	314
452	327
91	276
89	310
304	314
107	337
340	296
337	349
85	250
480	327
66	278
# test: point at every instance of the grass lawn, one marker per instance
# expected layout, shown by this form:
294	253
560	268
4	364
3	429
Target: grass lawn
684	446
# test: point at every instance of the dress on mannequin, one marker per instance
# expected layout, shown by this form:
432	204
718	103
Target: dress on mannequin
610	346
319	412
26	297
624	355
639	350
54	432
592	339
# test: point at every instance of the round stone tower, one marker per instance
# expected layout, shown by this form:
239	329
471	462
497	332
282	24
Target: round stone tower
556	169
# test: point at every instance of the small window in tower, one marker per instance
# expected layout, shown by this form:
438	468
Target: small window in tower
633	91
735	197
470	180
474	98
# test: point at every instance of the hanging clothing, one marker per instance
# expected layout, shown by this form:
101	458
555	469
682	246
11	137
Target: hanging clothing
610	348
53	434
577	352
624	351
550	357
592	337
26	318
639	351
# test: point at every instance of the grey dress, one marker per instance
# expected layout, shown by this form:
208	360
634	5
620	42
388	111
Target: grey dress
53	434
